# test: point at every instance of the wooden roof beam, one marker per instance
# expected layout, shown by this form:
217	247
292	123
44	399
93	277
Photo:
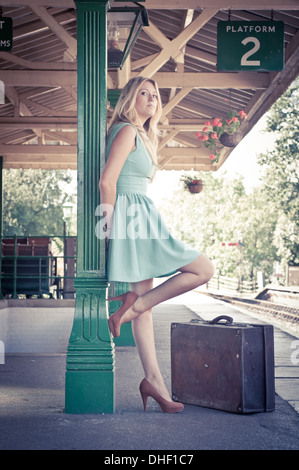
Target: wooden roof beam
39	159
167	138
219	4
237	80
221	80
27	122
159	38
174	101
174	4
173	46
31	64
183	152
41	150
36	78
46	109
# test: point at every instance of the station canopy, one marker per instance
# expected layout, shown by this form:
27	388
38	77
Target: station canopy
38	119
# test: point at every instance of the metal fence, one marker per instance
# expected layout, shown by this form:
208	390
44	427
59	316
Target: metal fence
38	266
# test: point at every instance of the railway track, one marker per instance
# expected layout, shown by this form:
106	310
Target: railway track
264	307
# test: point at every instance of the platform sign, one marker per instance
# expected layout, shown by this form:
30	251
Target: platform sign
5	34
250	45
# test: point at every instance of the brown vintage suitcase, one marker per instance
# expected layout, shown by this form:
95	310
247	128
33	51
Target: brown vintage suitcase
226	366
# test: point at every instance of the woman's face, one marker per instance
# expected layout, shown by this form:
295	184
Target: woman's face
146	101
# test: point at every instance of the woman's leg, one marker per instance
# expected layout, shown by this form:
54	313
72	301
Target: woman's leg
143	333
191	276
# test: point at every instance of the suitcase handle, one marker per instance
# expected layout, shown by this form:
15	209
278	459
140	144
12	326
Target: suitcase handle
229	320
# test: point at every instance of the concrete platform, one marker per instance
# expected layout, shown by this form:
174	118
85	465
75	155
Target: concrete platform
32	401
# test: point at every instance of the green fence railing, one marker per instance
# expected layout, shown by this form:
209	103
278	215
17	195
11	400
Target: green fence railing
37	266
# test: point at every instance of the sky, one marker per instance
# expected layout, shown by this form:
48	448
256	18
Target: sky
243	159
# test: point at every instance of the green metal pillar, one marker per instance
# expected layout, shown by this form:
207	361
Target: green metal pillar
90	356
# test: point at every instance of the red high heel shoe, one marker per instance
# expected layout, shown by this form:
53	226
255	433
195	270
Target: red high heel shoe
127	299
147	390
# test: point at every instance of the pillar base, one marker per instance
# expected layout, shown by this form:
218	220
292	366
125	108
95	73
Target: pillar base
89	386
89	392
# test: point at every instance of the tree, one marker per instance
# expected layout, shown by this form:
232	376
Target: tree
281	180
217	219
32	201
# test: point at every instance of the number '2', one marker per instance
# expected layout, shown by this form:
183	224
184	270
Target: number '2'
257	45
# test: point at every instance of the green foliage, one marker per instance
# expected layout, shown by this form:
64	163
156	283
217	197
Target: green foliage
32	201
281	180
221	214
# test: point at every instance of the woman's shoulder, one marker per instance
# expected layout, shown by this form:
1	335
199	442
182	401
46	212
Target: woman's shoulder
122	130
116	127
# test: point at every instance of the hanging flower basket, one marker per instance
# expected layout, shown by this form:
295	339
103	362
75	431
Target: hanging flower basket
230	140
195	188
223	131
193	183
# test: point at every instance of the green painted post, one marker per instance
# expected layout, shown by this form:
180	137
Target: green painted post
90	356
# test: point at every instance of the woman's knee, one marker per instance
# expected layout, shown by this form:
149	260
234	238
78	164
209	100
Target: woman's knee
202	267
208	271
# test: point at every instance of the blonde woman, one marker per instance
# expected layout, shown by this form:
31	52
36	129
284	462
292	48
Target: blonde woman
140	245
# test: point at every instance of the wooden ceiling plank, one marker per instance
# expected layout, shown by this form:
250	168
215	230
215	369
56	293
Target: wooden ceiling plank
24	136
36	78
137	64
174	101
201	55
69	138
46	109
33	150
46	159
67	79
183	152
30	64
12	95
222	80
58	30
219	4
37	122
173	4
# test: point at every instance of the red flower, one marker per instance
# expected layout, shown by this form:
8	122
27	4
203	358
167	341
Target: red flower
214	136
212	157
242	115
207	123
215	122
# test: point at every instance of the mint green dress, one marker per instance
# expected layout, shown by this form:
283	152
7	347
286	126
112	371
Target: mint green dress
140	246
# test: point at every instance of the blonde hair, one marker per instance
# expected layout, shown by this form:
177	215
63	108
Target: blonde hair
125	112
